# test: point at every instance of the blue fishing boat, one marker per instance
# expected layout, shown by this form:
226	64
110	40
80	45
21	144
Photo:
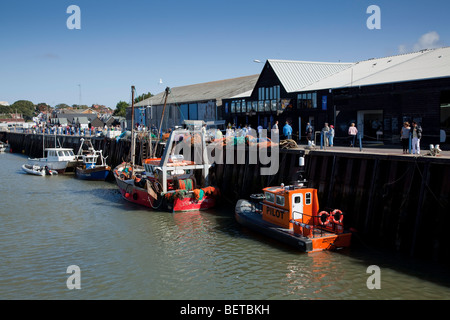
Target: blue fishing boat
90	169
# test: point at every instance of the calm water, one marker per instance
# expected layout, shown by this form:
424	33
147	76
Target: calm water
128	252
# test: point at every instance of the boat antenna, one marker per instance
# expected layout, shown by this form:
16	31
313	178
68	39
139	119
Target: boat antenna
167	92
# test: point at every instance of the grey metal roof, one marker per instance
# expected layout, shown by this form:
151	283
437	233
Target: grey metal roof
215	90
425	64
82	120
295	75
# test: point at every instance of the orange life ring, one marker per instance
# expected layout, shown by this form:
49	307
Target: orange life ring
322	214
333	215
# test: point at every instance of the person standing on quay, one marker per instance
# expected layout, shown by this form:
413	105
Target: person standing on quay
309	132
331	135
325	133
404	136
287	130
416	131
352	132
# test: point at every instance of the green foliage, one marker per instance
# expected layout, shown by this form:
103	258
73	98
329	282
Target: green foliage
121	109
143	97
62	106
41	107
24	107
5	109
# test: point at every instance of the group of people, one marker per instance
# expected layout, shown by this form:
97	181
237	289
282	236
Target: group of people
413	132
328	132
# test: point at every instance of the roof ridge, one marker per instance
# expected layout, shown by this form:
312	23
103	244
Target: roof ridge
309	62
423	51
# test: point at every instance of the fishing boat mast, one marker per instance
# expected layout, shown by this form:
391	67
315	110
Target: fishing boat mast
167	92
132	127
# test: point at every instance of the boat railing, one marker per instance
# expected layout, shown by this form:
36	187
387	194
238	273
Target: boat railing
310	226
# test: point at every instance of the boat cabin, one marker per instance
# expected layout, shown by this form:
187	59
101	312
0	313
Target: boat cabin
60	154
284	204
90	160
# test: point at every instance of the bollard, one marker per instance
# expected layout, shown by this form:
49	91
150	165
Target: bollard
360	142
321	140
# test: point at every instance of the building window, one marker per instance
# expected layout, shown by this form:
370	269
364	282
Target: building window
261	106
307	100
274	105
255	106
233	106
267	95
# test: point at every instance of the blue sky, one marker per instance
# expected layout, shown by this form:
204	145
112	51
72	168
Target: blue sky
137	42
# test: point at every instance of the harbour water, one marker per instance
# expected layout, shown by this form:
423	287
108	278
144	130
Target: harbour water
128	252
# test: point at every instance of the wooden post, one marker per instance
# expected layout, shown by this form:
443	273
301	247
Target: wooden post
132	127
425	180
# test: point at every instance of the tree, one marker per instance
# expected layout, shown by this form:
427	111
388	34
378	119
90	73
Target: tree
41	107
24	107
121	109
143	97
62	106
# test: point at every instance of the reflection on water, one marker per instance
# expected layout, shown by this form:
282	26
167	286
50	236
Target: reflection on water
128	252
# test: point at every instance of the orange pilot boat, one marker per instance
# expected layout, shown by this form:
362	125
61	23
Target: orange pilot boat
291	215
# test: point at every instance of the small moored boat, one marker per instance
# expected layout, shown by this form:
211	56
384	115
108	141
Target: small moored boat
57	159
38	170
291	215
4	146
90	170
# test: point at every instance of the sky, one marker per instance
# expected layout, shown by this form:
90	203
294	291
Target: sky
157	44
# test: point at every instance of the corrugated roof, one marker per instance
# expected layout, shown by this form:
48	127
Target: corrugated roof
425	64
295	75
215	90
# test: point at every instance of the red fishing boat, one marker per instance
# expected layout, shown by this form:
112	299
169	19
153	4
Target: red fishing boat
171	182
162	185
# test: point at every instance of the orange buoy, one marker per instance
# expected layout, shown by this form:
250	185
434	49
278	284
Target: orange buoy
336	212
324	217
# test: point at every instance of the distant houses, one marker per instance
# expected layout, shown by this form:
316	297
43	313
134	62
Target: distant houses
85	119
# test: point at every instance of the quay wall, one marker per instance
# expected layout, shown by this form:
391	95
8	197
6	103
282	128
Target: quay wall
398	203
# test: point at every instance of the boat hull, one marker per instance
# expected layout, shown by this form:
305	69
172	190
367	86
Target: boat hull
29	169
59	166
38	171
98	173
248	217
138	195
